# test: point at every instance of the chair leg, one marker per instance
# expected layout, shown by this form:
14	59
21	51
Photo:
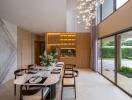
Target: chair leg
75	91
62	93
75	87
50	93
21	92
26	87
14	90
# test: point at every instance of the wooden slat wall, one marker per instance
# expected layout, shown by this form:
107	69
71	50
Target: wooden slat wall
24	48
83	50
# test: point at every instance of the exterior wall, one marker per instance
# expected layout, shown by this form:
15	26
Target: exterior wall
119	20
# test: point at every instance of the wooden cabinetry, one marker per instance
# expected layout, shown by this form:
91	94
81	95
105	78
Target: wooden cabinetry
74	47
68	60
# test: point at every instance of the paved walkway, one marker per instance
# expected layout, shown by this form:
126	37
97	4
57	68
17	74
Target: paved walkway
109	63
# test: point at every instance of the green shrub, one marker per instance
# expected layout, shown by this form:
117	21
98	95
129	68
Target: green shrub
110	53
126	53
126	71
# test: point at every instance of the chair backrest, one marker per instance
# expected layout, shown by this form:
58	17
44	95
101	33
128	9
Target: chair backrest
68	67
68	71
18	72
72	72
30	66
33	92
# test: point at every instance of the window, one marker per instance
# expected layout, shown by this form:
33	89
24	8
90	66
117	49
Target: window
108	58
119	3
99	56
98	15
107	8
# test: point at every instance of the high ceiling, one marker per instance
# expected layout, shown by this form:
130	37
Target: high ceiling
37	16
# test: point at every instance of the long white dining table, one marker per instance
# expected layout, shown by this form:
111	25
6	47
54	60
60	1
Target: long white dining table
52	75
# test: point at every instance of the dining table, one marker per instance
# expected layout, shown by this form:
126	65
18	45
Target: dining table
52	74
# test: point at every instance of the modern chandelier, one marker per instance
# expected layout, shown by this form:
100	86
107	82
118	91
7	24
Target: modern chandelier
86	12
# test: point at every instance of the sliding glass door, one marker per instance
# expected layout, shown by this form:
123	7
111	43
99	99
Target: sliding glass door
99	56
115	59
124	74
108	58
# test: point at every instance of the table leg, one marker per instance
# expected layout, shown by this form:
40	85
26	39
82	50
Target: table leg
42	94
21	92
52	92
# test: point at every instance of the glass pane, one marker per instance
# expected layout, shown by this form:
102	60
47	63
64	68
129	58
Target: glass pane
108	58
98	15
124	75
107	8
99	56
119	3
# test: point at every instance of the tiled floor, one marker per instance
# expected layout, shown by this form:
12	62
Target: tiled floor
123	81
90	86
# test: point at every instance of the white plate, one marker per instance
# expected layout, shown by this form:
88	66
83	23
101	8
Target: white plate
35	80
34	71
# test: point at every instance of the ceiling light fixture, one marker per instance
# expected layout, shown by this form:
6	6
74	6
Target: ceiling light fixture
86	12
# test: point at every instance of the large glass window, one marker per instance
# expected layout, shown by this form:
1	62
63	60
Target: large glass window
98	15
108	58
124	75
119	3
99	56
107	8
115	61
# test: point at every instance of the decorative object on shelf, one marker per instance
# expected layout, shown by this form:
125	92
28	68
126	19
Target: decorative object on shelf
68	52
86	12
48	60
60	43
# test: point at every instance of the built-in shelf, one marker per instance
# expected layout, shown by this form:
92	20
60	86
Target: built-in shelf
67	48
65	41
73	48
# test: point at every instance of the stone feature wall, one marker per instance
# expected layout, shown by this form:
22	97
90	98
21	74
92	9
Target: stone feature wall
8	51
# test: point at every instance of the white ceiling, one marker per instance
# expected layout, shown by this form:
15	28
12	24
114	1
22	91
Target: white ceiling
37	16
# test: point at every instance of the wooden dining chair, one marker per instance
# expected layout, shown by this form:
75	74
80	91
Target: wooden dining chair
34	93
18	72
68	79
